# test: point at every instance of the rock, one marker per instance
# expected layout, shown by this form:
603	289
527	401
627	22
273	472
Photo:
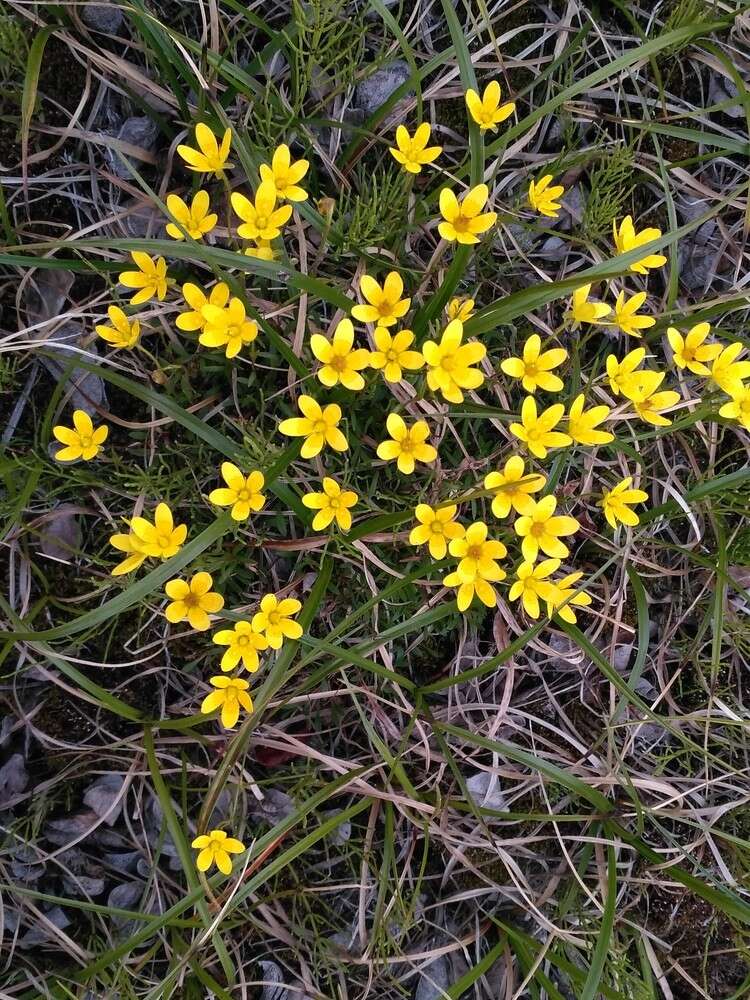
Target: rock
70	828
433	980
141	219
102	796
125	896
13	779
104	17
342	833
60	536
372	93
722	89
698	257
553	248
26	866
273	987
126	862
273	808
140	131
81	876
40	933
484	789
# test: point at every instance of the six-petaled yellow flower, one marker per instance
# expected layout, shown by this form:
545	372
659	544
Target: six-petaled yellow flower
210	157
243	644
624	375
487	111
582	423
738	407
464	221
230	696
692	351
477	569
407	445
123	333
261	220
385	307
318	425
393	354
196	219
242	493
615	503
285	175
340	361
534	368
331	505
543	197
150	279
192	600
537	430
450	363
583	311
532	583
564	598
626	238
462	309
262	250
650	407
541	530
132	546
727	372
193	319
160	539
275	621
82	440
412	152
436	528
228	327
626	314
214	849
513	488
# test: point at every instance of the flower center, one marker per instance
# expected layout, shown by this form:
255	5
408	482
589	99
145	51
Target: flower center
384	308
319	427
242	640
243	494
460	223
437	527
338	363
192	600
531	369
538	529
391	356
334	503
407	446
474	552
163	541
448	362
274	617
86	440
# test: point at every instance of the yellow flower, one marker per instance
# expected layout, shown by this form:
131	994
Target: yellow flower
192	600
691	351
332	505
393	354
285	175
230	695
531	583
582	423
413	152
261	220
212	158
214	849
133	549
450	363
317	426
261	251
543	198
435	529
512	488
534	368
228	327
486	110
150	279
386	307
738	408
462	309
649	406
407	445
275	622
242	494
196	220
341	362
564	598
123	332
583	311
160	539
195	298
463	221
727	372
537	430
626	314
477	568
81	440
243	643
626	238
615	502
541	529
622	375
